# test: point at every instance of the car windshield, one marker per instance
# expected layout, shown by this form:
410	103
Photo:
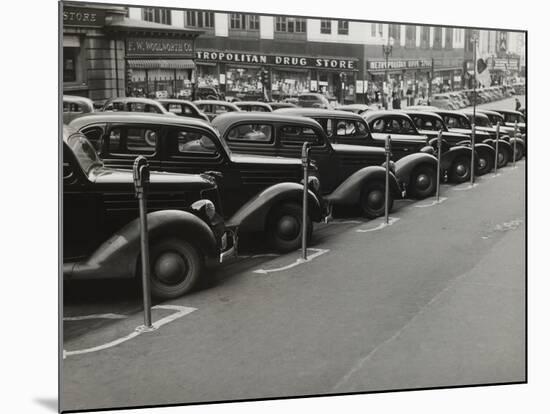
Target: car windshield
84	152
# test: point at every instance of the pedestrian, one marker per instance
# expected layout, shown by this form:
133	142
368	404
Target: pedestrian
396	101
518	104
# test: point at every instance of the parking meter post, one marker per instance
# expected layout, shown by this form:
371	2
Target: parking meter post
387	186
438	164
305	164
141	184
473	145
515	139
496	147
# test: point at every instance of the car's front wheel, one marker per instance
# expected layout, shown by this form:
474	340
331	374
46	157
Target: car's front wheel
503	157
460	170
485	162
373	200
423	182
284	227
176	266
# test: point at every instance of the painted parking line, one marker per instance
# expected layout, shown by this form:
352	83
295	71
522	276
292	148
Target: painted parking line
345	222
97	316
433	203
180	312
256	256
391	221
318	252
464	188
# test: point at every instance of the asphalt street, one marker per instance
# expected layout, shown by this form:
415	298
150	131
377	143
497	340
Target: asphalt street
435	299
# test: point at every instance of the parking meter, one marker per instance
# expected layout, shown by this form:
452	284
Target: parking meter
496	147
305	164
439	136
387	147
473	145
515	139
141	184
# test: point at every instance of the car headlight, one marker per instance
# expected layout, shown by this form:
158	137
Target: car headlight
206	207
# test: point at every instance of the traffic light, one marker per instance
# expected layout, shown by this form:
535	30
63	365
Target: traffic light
264	76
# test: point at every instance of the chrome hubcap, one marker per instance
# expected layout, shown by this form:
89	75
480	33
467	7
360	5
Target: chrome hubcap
461	170
423	181
170	267
288	227
482	162
375	199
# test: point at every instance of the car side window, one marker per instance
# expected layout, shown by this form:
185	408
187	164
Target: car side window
251	133
133	140
94	135
378	125
293	135
406	127
191	142
419	122
350	128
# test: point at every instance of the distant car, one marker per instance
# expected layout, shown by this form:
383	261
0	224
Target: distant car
313	100
131	104
443	101
214	108
183	108
261	194
349	175
280	105
101	224
355	108
497	118
207	92
75	106
511	117
253	106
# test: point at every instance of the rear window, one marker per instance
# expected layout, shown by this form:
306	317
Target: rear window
251	133
133	140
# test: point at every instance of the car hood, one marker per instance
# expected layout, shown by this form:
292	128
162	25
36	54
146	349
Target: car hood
162	180
263	159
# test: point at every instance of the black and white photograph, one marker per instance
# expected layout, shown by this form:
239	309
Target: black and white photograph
257	206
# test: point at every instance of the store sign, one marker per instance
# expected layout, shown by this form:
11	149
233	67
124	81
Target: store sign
505	64
77	16
159	47
278	60
399	64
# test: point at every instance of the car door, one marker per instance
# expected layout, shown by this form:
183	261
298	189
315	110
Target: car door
122	143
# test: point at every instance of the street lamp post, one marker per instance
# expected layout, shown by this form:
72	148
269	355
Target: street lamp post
387	49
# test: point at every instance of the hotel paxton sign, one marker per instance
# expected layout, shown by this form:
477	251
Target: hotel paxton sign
279	60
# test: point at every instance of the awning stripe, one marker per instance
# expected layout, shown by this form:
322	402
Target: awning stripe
161	64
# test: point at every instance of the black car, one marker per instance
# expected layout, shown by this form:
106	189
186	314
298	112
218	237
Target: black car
430	124
259	193
406	139
132	104
181	107
512	117
350	175
416	173
214	108
253	106
101	237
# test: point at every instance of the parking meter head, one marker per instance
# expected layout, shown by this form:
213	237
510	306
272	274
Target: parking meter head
141	173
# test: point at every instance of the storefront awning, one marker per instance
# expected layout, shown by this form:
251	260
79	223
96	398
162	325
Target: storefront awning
161	64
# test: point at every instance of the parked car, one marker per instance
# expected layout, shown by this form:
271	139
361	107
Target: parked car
313	100
406	139
280	105
349	175
355	108
131	104
259	193
511	117
253	106
214	108
430	123
75	106
443	101
416	173
498	118
101	237
183	108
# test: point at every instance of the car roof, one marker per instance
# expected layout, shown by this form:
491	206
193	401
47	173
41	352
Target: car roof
138	118
356	106
223	121
133	99
319	112
489	112
449	112
471	112
172	100
214	102
507	111
77	99
425	113
251	103
372	115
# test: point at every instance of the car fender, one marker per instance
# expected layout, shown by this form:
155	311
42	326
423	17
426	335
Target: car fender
449	157
253	214
479	147
503	144
444	145
406	165
117	256
349	192
518	141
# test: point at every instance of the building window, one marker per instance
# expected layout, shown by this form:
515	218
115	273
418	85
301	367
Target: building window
448	38
343	27
70	61
395	32
240	21
290	25
203	20
373	29
410	36
438	35
154	14
425	37
326	26
380	29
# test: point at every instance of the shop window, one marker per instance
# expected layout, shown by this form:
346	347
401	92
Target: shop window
156	15
70	64
438	37
192	142
290	25
343	27
296	136
198	19
410	36
425	37
326	26
253	133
